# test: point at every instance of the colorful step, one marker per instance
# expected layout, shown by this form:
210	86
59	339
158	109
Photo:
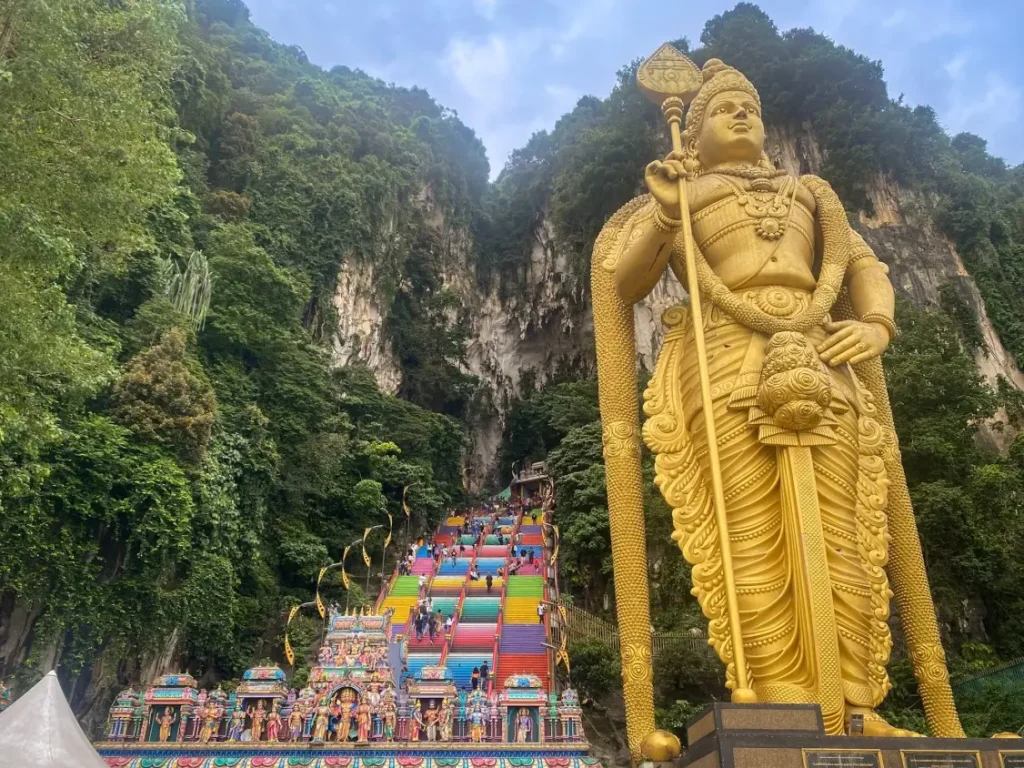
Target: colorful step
405	586
522	639
474	636
526	586
478	610
521	610
461	666
519	664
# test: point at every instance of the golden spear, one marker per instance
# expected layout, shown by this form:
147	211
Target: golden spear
671	80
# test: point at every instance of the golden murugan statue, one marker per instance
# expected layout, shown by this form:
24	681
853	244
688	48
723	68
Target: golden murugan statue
792	517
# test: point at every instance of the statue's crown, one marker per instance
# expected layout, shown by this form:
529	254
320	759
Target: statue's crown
718	78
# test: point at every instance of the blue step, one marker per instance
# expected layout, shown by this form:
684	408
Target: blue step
461	667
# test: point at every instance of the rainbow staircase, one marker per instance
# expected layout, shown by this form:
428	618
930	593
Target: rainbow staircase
496	625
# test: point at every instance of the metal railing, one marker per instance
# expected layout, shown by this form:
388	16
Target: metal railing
1012	672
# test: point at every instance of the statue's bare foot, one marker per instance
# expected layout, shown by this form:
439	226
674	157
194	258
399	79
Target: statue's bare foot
875	724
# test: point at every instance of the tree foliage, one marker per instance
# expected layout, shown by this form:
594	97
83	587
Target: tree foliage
178	455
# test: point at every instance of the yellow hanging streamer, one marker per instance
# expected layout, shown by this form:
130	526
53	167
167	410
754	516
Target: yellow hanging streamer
344	573
391	528
558	541
405	507
320	606
366	557
289	654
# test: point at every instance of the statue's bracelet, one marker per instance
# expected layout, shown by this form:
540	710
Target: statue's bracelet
664	222
883	320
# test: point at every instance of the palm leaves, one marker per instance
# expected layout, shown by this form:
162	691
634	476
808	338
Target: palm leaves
190	289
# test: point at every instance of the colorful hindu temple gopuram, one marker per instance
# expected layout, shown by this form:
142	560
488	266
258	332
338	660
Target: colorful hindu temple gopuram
453	667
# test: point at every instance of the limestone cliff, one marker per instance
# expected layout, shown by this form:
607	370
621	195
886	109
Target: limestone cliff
544	329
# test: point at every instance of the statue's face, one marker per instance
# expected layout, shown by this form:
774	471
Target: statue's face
732	130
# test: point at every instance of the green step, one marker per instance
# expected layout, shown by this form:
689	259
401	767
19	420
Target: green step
446	605
406	586
525	586
491	539
467	538
481	609
538	511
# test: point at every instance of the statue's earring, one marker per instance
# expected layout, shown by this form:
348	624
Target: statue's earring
691	163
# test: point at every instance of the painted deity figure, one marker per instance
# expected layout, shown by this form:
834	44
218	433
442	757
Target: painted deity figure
430	719
320	723
445	719
166	721
797	310
324	656
343	715
364	719
415	723
390	720
257	716
208	715
237	723
524	725
295	722
273	724
476	726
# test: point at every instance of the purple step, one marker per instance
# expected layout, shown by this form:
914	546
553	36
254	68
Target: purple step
522	638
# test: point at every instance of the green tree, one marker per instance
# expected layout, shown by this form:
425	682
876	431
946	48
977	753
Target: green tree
159	399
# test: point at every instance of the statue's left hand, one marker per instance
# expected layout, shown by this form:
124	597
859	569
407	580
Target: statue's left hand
851	341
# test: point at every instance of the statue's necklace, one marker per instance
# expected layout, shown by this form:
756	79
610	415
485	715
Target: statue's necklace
769	208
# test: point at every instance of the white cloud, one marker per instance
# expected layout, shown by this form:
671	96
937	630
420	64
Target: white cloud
955	67
486	8
481	69
894	19
563	98
982	106
585	20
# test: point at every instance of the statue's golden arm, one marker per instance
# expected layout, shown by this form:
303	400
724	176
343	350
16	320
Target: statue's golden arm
867	281
644	247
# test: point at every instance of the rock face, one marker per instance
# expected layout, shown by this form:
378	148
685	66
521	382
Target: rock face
544	331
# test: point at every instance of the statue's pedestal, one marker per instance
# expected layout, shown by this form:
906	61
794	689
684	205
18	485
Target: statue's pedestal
792	736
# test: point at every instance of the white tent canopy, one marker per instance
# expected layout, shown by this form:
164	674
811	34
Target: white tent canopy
40	731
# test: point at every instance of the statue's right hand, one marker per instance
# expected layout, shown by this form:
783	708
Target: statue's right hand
663	181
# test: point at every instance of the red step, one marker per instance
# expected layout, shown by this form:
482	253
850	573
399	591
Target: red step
515	663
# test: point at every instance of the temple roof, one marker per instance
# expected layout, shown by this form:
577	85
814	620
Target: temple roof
40	731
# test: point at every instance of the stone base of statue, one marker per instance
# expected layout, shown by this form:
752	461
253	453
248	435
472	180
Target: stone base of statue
792	736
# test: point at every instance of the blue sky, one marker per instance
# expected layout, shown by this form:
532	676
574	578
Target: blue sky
513	67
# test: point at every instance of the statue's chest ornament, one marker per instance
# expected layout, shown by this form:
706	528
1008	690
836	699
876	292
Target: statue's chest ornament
770	209
777	316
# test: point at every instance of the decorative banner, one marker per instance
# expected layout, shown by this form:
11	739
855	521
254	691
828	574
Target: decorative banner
320	606
391	528
344	573
563	657
405	507
558	540
366	557
288	652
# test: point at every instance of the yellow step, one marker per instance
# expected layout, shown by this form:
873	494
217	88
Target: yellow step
402	606
521	610
447	581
